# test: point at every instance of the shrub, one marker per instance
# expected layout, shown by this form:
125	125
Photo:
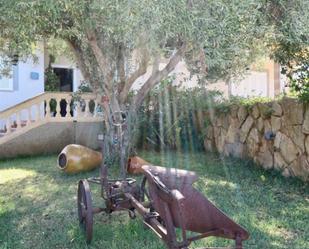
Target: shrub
175	118
299	81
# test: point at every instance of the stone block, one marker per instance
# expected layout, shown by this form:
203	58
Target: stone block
267	125
306	122
223	121
265	159
242	114
279	162
220	135
245	128
260	125
209	145
210	132
297	136
265	110
235	150
253	142
255	112
234	111
296	167
232	135
276	109
293	111
286	172
275	123
286	147
307	145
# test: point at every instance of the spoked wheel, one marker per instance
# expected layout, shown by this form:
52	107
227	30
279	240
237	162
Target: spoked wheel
84	205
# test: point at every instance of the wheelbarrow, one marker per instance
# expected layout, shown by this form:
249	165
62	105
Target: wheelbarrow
165	199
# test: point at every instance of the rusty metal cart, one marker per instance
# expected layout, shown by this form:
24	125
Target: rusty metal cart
165	199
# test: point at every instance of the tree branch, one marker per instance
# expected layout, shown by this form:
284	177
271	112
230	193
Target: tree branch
81	60
121	66
141	70
204	68
156	64
157	76
98	54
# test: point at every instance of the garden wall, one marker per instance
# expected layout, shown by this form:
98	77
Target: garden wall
52	138
275	135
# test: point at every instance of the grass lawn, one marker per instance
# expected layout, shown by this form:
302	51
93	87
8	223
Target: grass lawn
38	205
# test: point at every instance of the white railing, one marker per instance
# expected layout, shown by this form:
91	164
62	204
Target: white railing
50	107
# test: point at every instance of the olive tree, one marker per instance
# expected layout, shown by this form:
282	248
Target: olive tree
290	43
115	41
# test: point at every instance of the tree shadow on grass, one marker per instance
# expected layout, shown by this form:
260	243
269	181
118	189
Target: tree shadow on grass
40	211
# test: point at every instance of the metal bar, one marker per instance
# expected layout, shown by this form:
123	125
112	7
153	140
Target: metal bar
96	210
152	222
204	235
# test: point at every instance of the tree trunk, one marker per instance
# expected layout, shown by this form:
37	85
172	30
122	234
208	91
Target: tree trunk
119	122
118	140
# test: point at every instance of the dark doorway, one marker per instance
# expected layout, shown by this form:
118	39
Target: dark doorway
66	78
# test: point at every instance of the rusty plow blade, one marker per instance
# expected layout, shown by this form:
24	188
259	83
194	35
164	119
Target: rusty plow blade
201	216
180	205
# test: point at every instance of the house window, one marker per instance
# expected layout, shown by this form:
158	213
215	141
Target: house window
7	74
6	83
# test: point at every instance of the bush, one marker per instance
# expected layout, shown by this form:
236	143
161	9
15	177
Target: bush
52	81
175	118
299	81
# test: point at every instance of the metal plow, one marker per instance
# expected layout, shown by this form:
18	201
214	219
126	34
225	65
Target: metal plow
166	200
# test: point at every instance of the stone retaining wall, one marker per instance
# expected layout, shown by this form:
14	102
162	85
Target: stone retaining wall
275	135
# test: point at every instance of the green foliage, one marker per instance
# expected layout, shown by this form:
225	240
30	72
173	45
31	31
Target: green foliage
230	33
52	81
290	45
225	105
57	48
227	31
249	101
299	81
289	21
84	87
175	118
178	118
266	110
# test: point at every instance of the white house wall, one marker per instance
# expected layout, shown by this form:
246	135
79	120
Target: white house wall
254	84
24	86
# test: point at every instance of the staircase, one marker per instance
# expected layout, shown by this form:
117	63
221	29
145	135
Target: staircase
36	112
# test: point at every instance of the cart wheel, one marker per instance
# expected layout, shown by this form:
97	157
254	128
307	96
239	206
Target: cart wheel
84	205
